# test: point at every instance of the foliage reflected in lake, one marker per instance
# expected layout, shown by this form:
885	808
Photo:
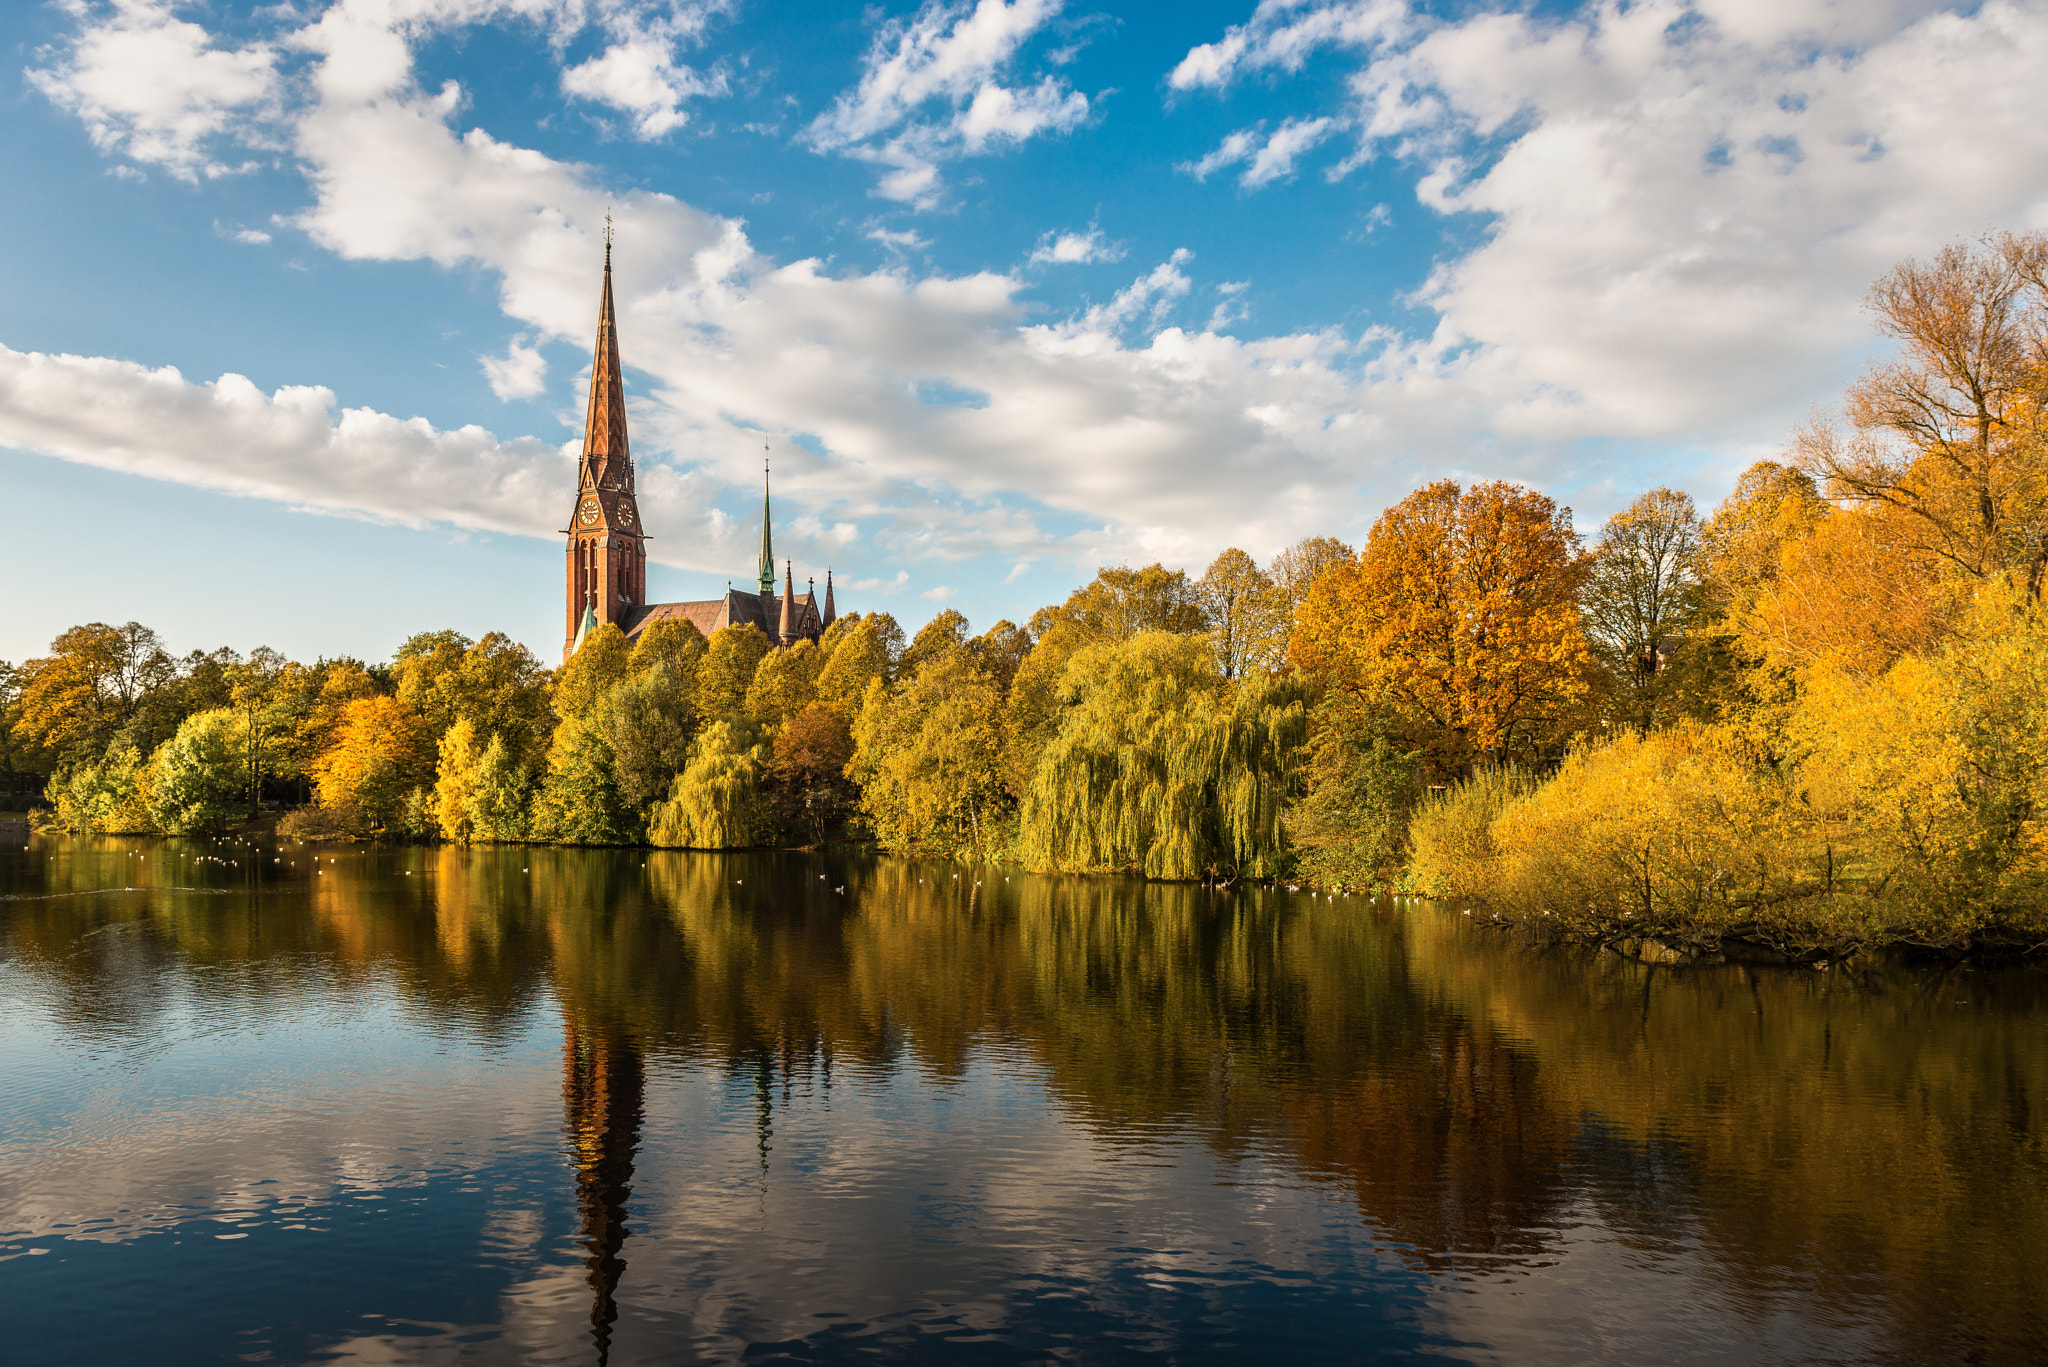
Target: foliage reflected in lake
524	1104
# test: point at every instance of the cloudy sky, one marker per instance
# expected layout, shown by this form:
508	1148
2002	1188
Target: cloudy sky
296	300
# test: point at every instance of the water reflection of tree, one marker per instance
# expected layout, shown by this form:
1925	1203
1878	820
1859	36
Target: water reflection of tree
1869	1144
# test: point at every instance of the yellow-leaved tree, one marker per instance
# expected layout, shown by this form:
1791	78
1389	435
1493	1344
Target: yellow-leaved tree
382	753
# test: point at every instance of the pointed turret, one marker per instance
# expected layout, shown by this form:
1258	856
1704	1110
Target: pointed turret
607	460
584	628
789	622
831	614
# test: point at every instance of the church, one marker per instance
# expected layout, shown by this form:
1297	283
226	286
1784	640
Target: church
607	551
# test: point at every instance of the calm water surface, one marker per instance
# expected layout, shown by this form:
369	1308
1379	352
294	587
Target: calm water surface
559	1106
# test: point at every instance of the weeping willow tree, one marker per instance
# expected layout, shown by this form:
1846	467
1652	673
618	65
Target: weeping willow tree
716	803
1160	764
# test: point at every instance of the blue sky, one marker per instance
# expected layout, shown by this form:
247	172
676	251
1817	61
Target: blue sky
296	300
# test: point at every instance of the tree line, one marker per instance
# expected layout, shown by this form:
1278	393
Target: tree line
1814	716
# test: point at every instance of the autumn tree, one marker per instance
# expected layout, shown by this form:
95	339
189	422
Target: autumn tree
1461	620
1002	650
382	752
727	670
674	642
1641	597
603	660
944	634
811	792
455	781
1953	430
1247	614
1121	602
1297	568
72	701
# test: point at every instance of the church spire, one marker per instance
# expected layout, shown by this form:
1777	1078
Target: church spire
831	615
767	568
788	604
607	459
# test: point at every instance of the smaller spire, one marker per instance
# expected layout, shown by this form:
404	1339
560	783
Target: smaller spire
788	605
585	627
830	616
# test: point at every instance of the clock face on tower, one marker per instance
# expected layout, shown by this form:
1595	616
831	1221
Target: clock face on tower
589	512
626	514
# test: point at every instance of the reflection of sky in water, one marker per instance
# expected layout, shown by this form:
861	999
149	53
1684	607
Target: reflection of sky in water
393	1128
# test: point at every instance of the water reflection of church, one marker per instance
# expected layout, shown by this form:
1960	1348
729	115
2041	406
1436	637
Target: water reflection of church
603	1088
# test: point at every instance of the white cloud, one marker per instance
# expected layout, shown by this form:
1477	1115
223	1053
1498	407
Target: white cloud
1075	249
1234	148
255	237
1655	268
1276	159
520	373
906	240
1284	33
932	89
1270	159
642	78
1684	201
294	445
937	595
1146	299
157	88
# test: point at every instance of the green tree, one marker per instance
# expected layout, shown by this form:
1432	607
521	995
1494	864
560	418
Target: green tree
928	756
716	803
648	721
257	701
195	777
1161	765
784	684
579	802
1350	823
859	657
109	796
499	794
599	664
727	671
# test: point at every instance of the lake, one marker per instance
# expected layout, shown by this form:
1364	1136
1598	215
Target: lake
291	1104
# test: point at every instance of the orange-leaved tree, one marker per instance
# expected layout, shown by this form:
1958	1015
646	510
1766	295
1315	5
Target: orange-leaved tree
1460	619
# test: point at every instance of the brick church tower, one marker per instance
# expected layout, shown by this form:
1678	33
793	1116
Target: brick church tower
607	554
